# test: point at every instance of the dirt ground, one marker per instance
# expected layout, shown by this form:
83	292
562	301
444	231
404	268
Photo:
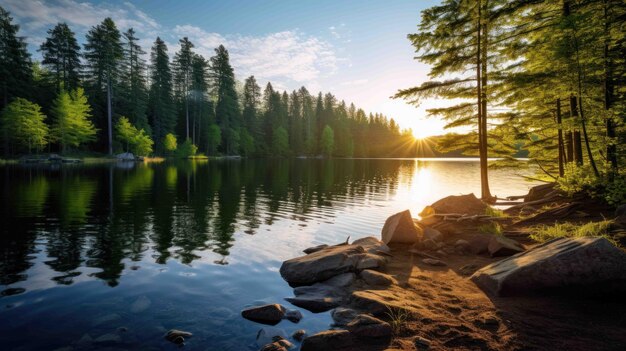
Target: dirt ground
454	314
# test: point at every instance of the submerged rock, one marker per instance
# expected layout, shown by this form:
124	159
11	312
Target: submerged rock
293	316
592	264
268	335
266	314
327	340
503	246
400	228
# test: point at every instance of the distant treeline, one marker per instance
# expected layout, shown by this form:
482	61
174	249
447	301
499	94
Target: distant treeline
105	97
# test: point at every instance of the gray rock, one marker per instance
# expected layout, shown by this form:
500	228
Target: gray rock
313	249
315	304
372	245
430	245
462	247
321	265
327	340
369	261
341	280
343	315
432	234
479	244
268	335
293	316
266	314
377	278
299	334
275	346
400	228
590	264
367	326
434	262
503	246
126	156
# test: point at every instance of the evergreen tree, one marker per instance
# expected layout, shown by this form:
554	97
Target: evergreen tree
61	55
161	106
71	126
15	67
134	140
328	141
134	92
227	107
104	53
250	115
183	70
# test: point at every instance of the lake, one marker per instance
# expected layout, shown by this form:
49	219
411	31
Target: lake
114	255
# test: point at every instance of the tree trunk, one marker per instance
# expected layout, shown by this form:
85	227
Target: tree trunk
109	116
560	137
569	146
481	72
609	91
576	139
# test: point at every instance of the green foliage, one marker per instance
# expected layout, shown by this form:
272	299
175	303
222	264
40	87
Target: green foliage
170	143
494	212
571	230
15	64
136	141
23	125
214	139
615	192
71	126
187	149
577	179
61	55
493	228
280	142
246	143
328	141
161	112
398	319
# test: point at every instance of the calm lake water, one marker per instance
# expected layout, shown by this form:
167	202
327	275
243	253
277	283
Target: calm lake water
87	250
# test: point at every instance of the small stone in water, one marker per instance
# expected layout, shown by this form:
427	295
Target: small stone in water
298	335
293	315
177	336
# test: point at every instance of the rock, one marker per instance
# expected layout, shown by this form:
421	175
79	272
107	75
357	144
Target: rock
299	334
140	305
503	246
369	261
343	315
109	338
367	326
468	269
275	346
379	302
430	245
432	234
327	340
461	204
268	335
321	265
373	245
434	262
539	192
587	263
421	343
313	249
376	278
479	244
267	314
126	156
400	228
341	280
293	316
319	297
462	247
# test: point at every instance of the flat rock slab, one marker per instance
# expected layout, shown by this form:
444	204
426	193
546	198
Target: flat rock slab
401	229
377	278
501	246
587	263
328	340
321	265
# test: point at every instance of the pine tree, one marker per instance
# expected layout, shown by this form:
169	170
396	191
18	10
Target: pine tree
161	106
15	67
104	53
250	115
328	141
183	69
134	92
61	55
227	107
71	126
23	125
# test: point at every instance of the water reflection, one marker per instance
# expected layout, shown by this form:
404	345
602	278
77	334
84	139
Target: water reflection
88	222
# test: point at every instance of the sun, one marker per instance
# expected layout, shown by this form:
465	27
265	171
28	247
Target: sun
420	133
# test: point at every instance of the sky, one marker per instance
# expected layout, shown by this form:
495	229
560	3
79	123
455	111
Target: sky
356	50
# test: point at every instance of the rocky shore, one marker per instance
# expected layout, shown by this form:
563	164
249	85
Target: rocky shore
445	282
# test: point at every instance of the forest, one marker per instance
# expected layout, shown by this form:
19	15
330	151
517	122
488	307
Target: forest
550	75
110	96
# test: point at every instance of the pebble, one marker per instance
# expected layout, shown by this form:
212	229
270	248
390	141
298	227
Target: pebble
433	262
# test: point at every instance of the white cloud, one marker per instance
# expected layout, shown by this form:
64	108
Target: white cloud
355	82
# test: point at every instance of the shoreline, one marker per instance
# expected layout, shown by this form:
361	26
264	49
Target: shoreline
430	293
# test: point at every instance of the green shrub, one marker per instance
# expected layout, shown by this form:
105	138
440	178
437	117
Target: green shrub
543	233
187	149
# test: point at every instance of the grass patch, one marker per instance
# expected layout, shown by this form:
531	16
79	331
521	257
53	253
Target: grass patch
398	318
493	228
494	212
543	233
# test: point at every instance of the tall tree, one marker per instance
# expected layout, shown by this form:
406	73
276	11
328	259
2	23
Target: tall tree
23	125
71	126
104	53
15	67
227	107
183	68
134	91
61	55
251	104
161	106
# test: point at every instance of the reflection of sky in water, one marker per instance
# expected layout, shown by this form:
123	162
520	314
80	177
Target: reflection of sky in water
190	244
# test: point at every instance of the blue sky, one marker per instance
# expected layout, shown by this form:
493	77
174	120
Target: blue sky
355	49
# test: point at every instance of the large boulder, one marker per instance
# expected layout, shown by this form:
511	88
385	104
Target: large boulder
126	156
586	263
321	265
370	327
400	228
539	192
377	278
328	340
373	245
267	314
460	204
